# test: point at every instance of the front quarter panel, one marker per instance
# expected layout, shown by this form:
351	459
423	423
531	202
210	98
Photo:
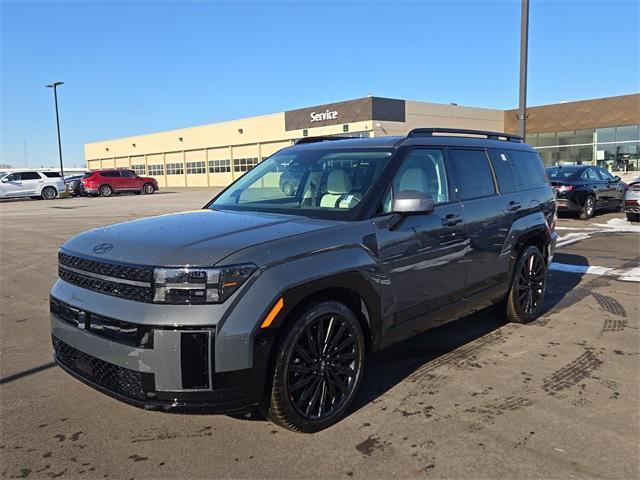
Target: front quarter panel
285	265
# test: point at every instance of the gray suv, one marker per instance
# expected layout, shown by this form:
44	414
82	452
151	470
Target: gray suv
272	300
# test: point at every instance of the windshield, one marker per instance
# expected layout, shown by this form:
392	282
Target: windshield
312	182
558	173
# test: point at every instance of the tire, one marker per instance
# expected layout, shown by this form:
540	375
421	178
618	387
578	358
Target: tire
328	379
288	189
633	217
105	191
528	285
148	189
49	193
589	208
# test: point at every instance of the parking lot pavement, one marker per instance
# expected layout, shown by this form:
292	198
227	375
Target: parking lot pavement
477	398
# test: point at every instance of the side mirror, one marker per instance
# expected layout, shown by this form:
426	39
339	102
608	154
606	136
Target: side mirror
413	201
616	179
4	179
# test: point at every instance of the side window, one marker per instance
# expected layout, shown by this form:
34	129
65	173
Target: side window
127	174
529	169
14	177
30	176
423	170
473	173
604	174
52	174
504	170
591	174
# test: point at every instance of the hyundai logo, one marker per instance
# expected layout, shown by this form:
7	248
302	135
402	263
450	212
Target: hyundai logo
103	248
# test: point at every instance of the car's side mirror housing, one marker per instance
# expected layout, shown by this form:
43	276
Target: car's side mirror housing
413	201
4	179
616	179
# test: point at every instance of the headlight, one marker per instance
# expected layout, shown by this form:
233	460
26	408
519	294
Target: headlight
192	285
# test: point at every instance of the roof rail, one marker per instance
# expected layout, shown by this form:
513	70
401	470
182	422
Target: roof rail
429	132
324	138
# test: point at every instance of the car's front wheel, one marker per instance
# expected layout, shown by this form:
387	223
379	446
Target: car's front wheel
528	286
317	369
148	189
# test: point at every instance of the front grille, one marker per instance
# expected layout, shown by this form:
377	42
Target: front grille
132	334
138	274
112	377
130	292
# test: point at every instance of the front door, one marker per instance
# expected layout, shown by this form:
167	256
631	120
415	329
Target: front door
423	256
611	188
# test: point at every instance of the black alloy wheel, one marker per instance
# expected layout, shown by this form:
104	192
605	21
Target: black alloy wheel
318	370
525	299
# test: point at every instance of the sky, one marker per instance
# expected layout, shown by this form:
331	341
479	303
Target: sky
137	67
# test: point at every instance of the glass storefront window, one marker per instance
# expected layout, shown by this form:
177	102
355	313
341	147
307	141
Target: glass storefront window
584	136
566	138
532	139
606	134
547	139
627	133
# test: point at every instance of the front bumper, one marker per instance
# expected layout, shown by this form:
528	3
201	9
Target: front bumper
154	367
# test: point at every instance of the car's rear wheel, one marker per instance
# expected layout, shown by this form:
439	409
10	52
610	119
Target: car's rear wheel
49	193
633	217
106	191
317	369
148	189
589	208
528	286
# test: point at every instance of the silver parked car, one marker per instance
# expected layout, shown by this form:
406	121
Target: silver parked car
31	183
632	201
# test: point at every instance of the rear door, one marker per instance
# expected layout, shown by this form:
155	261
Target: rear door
488	217
423	256
113	179
592	178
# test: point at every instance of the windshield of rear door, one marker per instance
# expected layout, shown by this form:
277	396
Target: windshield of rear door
323	183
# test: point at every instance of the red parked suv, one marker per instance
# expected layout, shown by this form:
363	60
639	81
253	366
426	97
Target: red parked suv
107	182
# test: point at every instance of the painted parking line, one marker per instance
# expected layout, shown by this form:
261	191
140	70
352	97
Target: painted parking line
615	225
624	274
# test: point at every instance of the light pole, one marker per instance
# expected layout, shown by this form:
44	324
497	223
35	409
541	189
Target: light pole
55	85
524	44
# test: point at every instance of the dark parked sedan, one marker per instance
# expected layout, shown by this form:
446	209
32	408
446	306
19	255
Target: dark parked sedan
584	189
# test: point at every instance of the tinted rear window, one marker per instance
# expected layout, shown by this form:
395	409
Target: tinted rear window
562	173
87	175
473	173
504	171
30	176
529	170
52	174
109	174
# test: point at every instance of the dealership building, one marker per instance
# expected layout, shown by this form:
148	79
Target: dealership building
601	131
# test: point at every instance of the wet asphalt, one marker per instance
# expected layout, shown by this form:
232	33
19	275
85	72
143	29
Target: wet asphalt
476	398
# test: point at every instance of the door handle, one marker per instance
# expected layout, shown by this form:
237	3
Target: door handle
451	219
513	206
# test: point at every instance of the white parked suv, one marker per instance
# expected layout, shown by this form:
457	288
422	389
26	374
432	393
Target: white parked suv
31	183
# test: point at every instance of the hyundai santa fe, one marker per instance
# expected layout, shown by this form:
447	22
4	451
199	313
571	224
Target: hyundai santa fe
271	300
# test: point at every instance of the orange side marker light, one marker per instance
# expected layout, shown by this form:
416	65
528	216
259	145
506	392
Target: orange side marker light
272	313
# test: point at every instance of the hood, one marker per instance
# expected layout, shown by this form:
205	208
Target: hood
199	238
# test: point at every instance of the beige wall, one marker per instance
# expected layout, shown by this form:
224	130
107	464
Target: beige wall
258	137
420	114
